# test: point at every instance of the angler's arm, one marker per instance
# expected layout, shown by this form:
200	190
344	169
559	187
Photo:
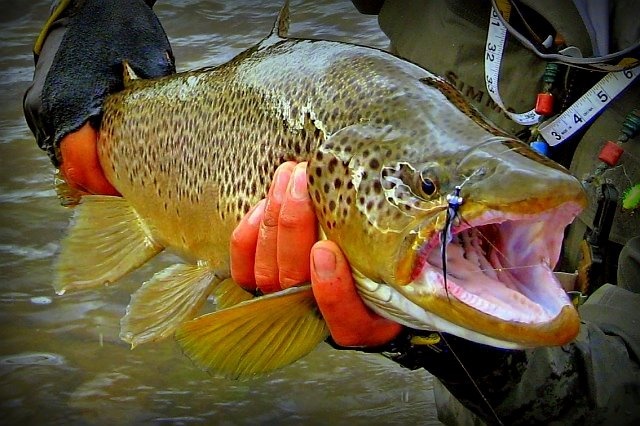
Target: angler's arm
75	69
596	378
368	7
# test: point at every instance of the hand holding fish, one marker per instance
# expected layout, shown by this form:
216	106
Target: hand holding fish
278	234
274	247
80	164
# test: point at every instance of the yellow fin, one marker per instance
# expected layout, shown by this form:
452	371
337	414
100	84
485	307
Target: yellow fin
229	294
169	298
106	240
256	336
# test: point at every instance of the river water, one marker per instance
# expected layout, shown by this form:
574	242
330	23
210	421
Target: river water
61	361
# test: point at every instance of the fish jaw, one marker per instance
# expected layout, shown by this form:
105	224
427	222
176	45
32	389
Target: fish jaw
500	288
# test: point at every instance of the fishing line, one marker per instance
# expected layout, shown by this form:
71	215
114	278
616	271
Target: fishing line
473	382
502	255
489	141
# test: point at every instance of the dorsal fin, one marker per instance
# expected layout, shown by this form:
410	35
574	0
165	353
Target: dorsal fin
281	26
128	74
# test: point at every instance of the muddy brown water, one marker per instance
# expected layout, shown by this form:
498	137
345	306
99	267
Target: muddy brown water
61	361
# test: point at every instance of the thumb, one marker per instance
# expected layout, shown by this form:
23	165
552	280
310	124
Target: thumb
350	321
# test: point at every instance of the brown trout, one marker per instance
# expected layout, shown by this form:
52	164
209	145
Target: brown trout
386	142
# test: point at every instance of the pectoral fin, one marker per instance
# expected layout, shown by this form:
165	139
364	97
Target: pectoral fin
169	298
256	336
106	240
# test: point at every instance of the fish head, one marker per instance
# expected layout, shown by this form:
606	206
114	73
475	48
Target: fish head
384	196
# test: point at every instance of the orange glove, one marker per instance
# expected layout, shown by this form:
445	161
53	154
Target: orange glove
274	247
80	165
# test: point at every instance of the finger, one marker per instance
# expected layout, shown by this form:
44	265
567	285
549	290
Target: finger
350	321
296	230
80	163
243	247
266	265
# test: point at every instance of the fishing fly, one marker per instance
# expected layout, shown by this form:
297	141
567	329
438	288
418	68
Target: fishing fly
454	201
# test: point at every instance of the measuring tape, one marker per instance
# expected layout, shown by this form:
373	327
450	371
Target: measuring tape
588	106
496	40
580	113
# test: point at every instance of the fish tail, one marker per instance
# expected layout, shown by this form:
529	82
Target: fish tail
106	240
255	336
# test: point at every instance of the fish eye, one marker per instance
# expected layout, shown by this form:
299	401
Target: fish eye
428	186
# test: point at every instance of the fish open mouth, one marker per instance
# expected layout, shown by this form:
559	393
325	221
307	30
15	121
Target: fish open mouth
500	287
502	268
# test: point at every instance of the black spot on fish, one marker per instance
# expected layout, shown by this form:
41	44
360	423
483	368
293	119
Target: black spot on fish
332	205
337	183
332	164
318	171
326	188
377	187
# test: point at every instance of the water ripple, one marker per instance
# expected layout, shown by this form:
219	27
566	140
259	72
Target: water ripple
32	358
